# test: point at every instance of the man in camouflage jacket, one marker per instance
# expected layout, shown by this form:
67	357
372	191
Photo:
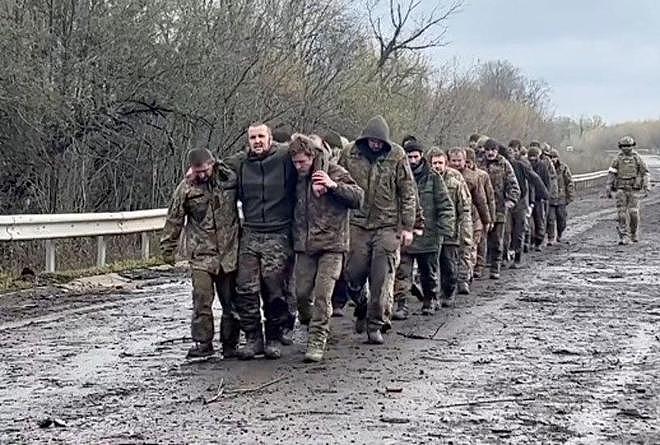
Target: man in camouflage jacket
507	194
450	255
379	227
206	201
479	245
439	217
557	215
324	194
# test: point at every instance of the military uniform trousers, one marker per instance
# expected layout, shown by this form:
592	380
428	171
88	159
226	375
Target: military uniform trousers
539	215
496	245
205	286
264	267
374	255
427	265
315	278
557	217
477	237
449	258
482	249
517	227
627	207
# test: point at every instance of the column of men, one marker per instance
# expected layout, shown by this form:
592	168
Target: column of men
326	221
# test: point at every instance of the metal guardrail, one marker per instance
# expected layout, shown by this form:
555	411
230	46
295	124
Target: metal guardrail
75	225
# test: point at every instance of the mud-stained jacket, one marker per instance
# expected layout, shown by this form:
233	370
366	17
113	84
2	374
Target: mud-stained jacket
385	177
211	220
505	185
484	181
321	222
266	188
565	187
480	209
628	172
460	196
438	209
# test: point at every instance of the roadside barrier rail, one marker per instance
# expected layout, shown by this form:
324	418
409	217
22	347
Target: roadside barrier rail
50	227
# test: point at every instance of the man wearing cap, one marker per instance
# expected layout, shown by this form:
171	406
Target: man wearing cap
557	215
540	210
206	202
378	229
439	217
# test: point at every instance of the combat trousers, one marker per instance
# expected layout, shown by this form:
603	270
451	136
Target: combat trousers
540	222
449	258
517	218
315	278
557	216
264	261
427	265
205	287
627	207
482	250
477	236
374	255
495	246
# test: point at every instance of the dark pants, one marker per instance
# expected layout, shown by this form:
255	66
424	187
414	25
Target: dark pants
264	262
373	256
518	223
427	264
205	287
557	216
539	217
495	245
449	258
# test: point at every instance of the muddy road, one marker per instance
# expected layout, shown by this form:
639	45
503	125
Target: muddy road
564	350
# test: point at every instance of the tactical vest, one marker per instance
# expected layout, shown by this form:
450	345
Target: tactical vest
628	167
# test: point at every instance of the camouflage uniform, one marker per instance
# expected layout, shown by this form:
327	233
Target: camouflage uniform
557	214
266	189
212	227
320	234
481	218
439	220
506	190
389	206
547	173
450	255
479	246
628	176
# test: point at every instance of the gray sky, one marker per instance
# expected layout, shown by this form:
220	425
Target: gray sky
598	56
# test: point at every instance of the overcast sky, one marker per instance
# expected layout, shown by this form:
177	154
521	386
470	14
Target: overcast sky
598	56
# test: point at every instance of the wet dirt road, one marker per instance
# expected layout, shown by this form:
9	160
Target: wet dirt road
566	350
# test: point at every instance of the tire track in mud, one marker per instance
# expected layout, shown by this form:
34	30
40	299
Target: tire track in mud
567	346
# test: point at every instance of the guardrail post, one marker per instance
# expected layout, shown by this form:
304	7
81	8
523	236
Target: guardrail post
50	255
100	251
144	241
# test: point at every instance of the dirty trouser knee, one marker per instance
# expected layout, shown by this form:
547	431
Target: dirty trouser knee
404	278
518	229
384	262
276	253
495	240
357	264
201	327
539	215
448	269
327	267
428	274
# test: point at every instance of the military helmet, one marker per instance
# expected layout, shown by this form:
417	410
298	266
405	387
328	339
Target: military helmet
627	141
545	149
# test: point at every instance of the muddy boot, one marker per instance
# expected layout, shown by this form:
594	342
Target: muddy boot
517	261
463	288
401	312
360	318
315	348
476	274
253	346
272	350
338	312
624	240
375	337
286	337
200	350
495	271
447	301
229	335
427	307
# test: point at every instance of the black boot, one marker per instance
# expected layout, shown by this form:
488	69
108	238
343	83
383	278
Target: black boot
272	350
229	334
517	261
200	350
253	346
401	312
495	271
360	318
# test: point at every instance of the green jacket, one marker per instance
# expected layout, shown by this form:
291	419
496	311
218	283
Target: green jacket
211	219
438	209
460	196
505	185
384	176
565	187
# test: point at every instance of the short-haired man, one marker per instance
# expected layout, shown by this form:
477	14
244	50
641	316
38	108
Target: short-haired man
557	215
451	247
206	202
324	194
